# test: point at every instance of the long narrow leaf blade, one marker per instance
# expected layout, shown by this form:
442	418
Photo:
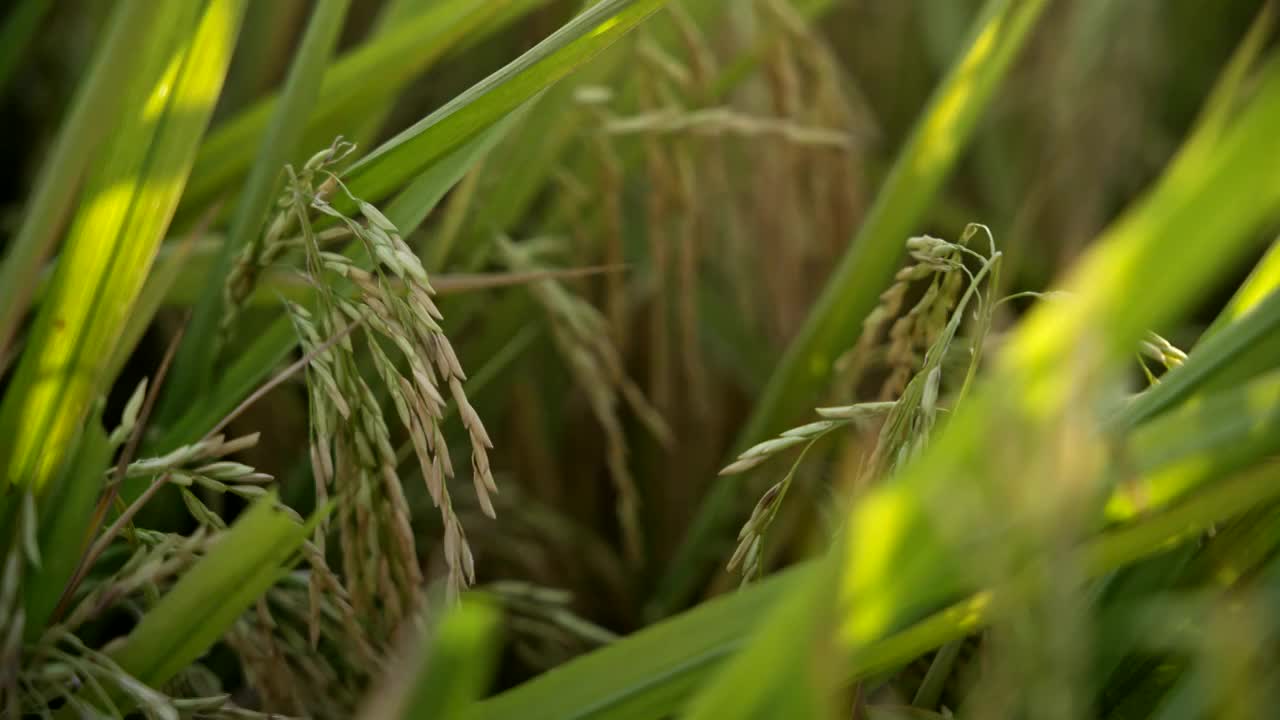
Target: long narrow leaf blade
98	102
65	512
115	236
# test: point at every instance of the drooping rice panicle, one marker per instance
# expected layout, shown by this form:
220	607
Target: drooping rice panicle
352	455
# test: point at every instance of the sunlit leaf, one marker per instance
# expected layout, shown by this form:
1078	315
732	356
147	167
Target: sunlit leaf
128	204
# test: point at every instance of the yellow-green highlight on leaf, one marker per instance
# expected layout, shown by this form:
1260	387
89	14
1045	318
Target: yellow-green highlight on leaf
172	263
98	101
1264	280
868	266
127	208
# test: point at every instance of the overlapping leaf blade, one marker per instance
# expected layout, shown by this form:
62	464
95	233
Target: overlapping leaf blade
126	212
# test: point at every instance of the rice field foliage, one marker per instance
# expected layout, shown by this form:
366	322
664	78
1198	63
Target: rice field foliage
638	359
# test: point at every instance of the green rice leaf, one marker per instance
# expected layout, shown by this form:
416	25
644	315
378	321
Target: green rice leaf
116	65
128	204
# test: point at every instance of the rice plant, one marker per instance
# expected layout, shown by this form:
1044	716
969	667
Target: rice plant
639	359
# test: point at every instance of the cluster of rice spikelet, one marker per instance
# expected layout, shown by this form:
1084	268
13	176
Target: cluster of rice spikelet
353	458
751	537
268	248
910	423
58	665
546	630
62	661
283	664
918	343
907	336
201	466
1155	347
159	558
